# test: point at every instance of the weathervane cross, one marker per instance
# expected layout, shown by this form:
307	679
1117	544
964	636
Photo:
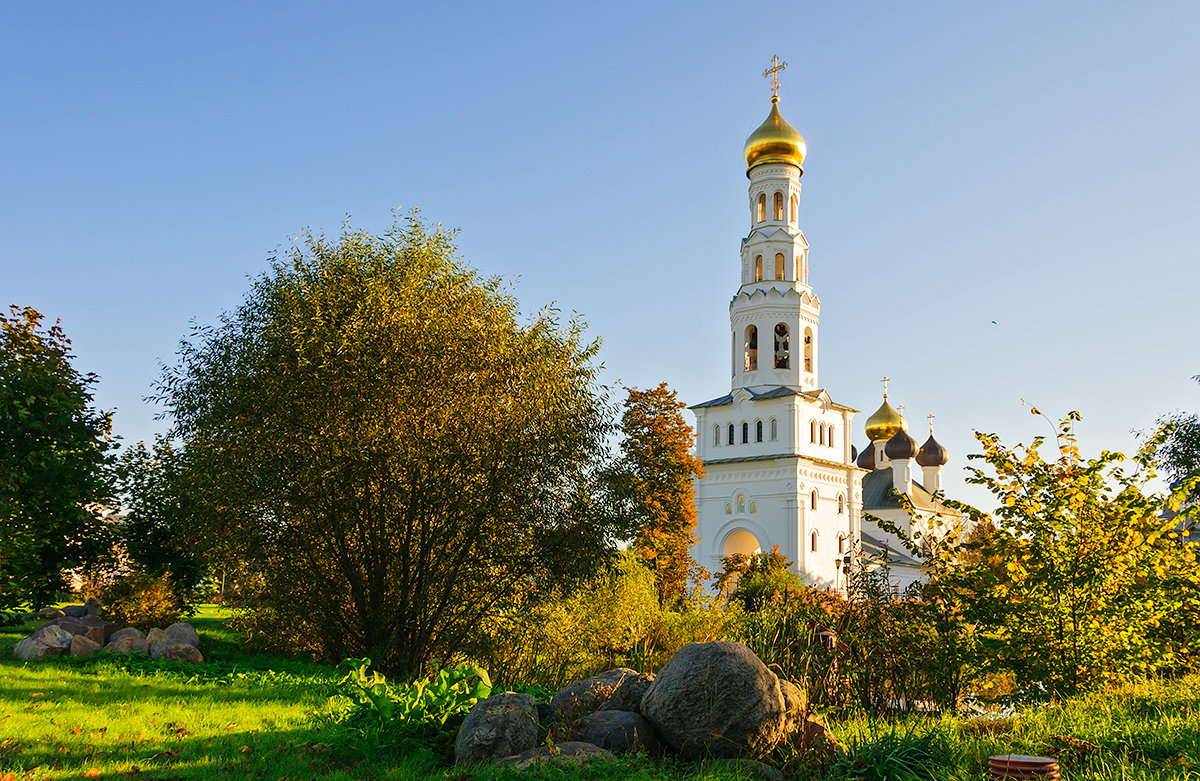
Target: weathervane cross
772	73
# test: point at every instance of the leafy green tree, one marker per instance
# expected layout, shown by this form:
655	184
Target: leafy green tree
399	454
1179	455
654	477
158	531
1080	574
53	455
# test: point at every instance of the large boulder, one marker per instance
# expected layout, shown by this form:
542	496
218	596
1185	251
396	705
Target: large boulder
500	726
621	732
74	611
127	641
579	698
175	651
154	637
717	700
46	641
629	693
795	703
92	607
184	632
570	754
81	645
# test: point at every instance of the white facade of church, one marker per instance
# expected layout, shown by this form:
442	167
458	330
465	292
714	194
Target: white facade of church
779	466
780	469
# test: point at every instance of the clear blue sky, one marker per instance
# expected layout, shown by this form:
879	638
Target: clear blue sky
1032	164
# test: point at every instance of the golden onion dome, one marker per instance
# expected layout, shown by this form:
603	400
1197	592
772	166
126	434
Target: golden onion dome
775	141
885	422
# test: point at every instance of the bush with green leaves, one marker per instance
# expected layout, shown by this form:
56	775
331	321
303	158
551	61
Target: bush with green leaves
145	601
422	715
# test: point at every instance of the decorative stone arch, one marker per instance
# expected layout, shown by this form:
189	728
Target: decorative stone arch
761	214
778	204
780	271
795	203
758	269
730	528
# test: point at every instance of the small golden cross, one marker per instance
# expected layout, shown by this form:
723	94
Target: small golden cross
772	73
885	381
930	416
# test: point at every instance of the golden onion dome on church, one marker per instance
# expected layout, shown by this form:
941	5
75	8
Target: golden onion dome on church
885	422
775	141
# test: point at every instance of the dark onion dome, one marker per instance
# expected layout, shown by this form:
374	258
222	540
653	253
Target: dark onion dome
932	453
866	459
901	446
853	452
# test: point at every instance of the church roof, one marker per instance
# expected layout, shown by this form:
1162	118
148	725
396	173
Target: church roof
877	549
877	495
778	392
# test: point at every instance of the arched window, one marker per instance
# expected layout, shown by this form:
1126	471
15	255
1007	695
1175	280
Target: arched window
758	268
774	429
741	504
779	206
796	269
758	431
717	435
731	433
808	349
802	262
814	499
842	543
814	542
779	265
821	434
753	507
751	348
794	209
745	433
812	431
829	436
841	504
781	346
762	207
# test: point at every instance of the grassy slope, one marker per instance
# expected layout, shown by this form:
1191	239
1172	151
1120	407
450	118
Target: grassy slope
242	715
238	716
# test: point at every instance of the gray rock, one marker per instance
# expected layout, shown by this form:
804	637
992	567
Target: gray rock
74	611
92	606
747	769
795	704
184	632
816	737
128	631
621	732
568	754
46	641
175	651
154	637
49	612
81	645
93	629
579	698
127	641
717	700
500	726
629	693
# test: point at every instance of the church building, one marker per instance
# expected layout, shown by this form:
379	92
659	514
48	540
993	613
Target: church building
780	466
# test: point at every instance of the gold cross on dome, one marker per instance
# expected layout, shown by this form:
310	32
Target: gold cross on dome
885	381
772	73
930	416
900	409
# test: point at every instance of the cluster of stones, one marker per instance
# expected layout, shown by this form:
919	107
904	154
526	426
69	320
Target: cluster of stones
78	630
711	701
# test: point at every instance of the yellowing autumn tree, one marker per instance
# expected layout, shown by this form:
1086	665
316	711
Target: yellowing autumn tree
654	479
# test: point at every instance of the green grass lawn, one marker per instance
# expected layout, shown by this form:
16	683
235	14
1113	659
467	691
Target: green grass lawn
243	715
